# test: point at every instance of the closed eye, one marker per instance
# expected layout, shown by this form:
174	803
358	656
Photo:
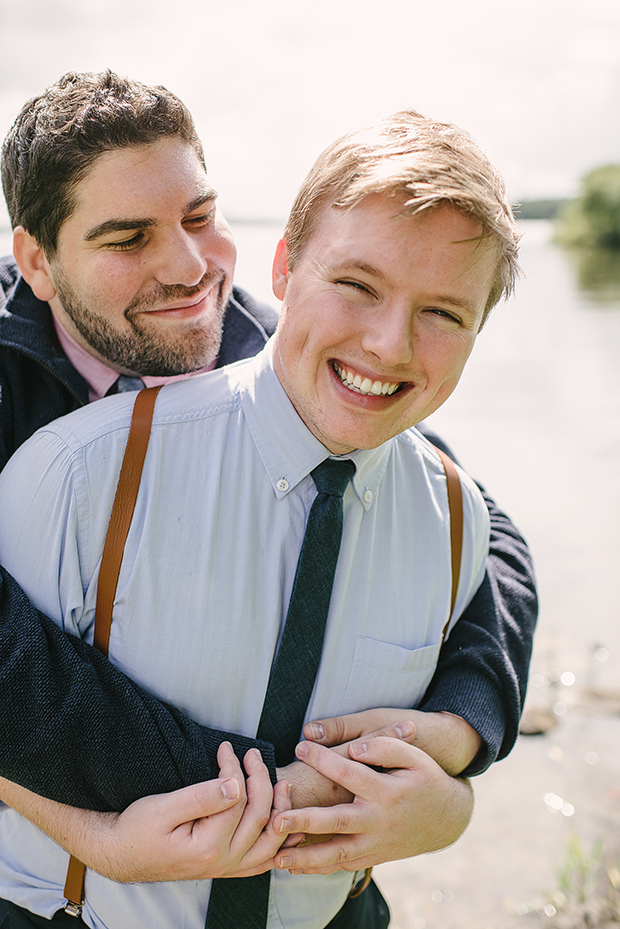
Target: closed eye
198	221
356	285
444	314
127	244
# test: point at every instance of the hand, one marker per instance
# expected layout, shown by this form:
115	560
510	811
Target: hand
447	738
213	829
309	787
411	808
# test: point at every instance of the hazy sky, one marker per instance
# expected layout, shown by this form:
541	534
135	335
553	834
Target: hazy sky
536	82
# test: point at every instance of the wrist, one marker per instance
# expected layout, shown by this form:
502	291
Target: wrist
467	742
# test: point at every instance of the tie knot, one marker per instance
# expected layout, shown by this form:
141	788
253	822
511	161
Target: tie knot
331	477
126	383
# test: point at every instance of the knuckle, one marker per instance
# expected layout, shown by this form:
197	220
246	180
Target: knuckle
341	823
339	729
263	819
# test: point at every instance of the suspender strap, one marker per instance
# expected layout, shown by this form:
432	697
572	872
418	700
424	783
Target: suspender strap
455	504
118	528
122	512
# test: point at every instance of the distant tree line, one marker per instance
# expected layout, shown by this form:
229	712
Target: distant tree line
539	209
590	219
593	219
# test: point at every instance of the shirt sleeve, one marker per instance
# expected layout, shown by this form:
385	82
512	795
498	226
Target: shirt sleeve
105	741
483	665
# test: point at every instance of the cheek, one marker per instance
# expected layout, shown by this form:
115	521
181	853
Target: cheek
220	248
117	281
446	355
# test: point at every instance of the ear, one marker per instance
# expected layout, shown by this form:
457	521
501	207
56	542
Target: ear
279	274
33	264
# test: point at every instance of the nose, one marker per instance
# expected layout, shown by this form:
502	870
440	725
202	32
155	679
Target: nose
390	335
180	260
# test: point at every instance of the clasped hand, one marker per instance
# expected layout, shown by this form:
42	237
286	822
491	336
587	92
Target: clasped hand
344	805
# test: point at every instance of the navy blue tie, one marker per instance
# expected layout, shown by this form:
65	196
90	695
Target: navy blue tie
125	383
242	903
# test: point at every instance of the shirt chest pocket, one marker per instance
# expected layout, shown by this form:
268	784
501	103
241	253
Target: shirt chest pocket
383	674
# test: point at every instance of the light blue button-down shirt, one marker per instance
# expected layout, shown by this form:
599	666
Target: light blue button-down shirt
206	577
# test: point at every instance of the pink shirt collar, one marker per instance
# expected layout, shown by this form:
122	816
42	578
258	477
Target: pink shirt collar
98	375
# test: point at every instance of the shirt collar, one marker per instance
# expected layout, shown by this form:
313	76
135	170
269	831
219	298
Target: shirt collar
98	375
288	450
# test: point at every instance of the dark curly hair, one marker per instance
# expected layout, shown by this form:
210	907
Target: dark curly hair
60	134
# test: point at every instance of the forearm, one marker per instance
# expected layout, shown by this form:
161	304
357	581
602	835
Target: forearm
84	833
108	741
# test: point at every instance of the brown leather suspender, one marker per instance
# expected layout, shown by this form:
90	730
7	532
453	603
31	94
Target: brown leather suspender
455	504
118	527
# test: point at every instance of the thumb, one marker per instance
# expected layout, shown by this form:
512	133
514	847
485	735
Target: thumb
198	800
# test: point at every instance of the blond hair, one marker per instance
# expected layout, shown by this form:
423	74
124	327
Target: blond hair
422	161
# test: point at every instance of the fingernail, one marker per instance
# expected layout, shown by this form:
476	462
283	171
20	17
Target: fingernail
405	729
302	750
230	789
359	748
285	825
284	862
317	730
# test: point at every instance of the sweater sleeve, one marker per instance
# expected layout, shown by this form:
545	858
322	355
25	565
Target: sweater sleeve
483	665
63	702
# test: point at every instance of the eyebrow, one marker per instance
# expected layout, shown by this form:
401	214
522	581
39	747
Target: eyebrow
129	224
364	268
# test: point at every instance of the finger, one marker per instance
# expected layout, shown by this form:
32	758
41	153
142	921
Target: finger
190	804
335	730
229	765
337	854
342	819
390	754
282	796
354	777
404	730
258	809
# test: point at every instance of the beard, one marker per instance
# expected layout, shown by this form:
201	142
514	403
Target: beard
149	348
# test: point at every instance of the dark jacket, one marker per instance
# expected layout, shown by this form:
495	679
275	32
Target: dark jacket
107	742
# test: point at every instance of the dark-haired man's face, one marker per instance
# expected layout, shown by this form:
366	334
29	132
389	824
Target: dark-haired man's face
144	265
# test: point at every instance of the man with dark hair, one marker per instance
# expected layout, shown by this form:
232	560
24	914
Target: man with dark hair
133	277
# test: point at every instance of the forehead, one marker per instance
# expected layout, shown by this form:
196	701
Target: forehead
140	182
378	233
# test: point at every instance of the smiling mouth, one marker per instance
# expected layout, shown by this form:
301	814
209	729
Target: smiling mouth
364	385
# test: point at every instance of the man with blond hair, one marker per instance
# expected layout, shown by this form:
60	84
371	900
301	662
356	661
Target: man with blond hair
384	290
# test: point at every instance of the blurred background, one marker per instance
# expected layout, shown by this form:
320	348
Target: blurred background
536	417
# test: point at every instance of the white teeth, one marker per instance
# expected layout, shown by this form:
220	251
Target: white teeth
365	385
